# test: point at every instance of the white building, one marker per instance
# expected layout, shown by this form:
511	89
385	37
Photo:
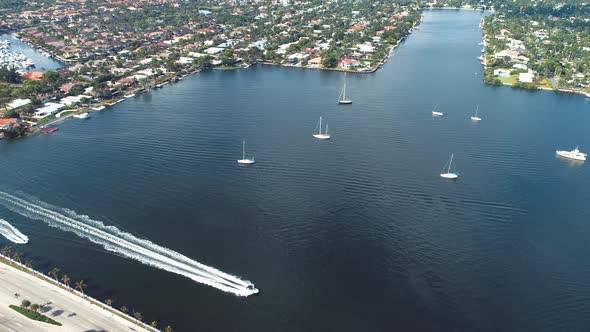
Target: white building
18	103
526	77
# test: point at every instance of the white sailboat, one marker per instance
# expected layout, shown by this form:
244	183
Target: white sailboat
446	171
475	117
244	160
435	113
319	135
342	99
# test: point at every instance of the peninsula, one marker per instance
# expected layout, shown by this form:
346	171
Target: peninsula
106	61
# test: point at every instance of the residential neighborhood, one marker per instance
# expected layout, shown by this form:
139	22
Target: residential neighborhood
105	60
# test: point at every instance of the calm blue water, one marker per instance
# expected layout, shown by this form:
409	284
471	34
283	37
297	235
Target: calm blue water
358	233
42	63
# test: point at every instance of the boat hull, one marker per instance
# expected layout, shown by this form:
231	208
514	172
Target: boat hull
322	136
474	118
437	114
449	175
345	102
246	161
570	155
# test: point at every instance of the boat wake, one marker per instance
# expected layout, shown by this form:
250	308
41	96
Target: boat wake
11	233
125	244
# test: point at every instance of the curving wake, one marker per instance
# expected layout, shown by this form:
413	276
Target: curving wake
11	233
123	243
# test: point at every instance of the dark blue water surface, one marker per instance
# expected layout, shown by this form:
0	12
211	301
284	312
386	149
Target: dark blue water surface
358	233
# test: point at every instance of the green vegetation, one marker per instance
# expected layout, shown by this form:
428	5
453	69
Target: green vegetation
33	314
227	67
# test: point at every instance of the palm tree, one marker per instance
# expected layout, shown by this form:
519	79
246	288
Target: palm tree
168	329
29	264
109	302
34	307
66	280
137	315
154	324
54	273
124	309
6	251
17	256
80	285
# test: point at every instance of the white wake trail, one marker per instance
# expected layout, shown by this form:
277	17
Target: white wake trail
123	243
11	233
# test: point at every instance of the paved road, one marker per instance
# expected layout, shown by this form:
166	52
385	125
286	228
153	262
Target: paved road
75	313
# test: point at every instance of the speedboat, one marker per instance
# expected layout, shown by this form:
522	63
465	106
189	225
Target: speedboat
574	154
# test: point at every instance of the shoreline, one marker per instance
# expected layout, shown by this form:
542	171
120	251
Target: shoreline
27	277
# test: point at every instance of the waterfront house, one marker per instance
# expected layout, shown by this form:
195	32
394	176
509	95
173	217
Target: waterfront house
18	103
349	63
506	55
48	109
7	123
315	62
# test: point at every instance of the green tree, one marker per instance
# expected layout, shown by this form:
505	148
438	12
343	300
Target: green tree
80	285
34	307
54	273
66	280
330	61
25	303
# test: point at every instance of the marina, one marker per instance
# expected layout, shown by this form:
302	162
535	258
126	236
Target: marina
14	59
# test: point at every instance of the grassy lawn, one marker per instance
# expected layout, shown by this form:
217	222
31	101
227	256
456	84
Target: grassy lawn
34	315
46	119
509	80
62	114
227	67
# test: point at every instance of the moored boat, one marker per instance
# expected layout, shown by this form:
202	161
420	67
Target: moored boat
575	154
49	130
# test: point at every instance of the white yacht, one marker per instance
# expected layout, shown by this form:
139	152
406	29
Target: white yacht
446	171
342	100
475	117
574	154
319	135
435	113
244	160
84	115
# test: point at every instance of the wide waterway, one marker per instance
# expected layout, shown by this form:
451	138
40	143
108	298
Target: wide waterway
358	233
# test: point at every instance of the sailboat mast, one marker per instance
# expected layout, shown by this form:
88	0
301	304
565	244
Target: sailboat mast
344	92
243	149
476	109
320	125
450	163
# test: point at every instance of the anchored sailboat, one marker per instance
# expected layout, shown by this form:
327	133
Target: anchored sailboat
342	99
244	160
446	171
475	117
435	113
319	135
